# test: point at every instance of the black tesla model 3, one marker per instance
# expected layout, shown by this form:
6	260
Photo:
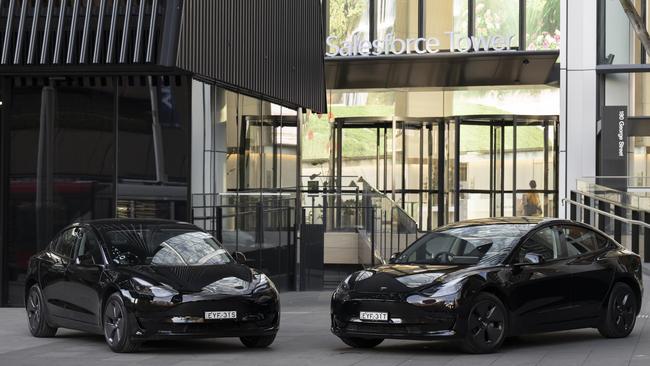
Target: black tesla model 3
481	281
137	280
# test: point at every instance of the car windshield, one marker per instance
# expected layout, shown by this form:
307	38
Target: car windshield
471	245
138	244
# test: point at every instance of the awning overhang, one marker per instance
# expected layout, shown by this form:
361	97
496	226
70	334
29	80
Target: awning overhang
442	70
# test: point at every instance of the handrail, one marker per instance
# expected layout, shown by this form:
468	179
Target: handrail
604	199
608	214
394	204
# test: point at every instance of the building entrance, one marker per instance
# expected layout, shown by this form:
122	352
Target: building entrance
441	170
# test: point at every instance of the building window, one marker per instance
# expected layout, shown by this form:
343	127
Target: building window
397	17
347	18
543	24
443	16
497	18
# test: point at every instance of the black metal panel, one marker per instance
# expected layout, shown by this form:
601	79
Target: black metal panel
74	32
271	49
639	126
442	70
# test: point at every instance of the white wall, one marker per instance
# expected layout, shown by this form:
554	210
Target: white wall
578	94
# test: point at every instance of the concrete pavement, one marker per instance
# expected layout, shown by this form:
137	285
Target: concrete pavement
304	339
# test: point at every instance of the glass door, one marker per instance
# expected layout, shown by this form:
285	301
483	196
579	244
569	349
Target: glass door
497	178
486	149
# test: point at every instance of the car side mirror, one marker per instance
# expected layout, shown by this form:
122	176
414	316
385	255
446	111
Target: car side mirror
84	260
393	258
533	258
240	257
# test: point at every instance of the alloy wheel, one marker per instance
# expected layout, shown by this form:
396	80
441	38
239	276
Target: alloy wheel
114	323
34	309
486	323
624	311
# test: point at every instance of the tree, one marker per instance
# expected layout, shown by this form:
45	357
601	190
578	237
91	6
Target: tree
345	15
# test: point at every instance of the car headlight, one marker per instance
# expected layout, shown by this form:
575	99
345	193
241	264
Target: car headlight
147	288
345	284
446	289
262	282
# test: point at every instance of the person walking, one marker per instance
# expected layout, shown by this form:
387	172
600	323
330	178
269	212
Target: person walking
531	204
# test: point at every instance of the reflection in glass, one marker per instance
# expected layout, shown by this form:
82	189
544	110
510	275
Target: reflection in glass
150	245
474	156
444	16
397	17
474	206
412	157
543	24
498	18
484	245
347	18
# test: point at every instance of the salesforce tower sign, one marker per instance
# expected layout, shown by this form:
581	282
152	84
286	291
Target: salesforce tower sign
391	45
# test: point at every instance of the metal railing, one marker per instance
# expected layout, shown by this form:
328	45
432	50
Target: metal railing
363	209
260	225
623	215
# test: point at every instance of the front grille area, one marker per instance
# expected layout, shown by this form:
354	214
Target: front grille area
152	326
187	317
217	326
391	296
399	329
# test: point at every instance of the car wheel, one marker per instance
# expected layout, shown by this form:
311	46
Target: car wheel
361	342
257	342
116	326
487	325
620	314
36	316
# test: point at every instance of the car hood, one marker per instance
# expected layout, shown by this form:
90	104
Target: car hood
401	278
224	278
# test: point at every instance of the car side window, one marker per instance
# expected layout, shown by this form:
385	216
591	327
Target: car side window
581	240
89	245
65	244
545	242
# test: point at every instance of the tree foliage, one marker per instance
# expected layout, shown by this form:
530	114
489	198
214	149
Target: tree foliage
345	15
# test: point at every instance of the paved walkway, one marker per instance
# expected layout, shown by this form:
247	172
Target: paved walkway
305	339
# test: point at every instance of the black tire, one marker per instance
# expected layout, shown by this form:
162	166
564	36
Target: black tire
257	341
37	314
487	325
361	342
117	330
620	315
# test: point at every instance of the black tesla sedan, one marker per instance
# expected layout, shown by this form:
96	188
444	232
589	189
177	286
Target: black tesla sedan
137	280
481	281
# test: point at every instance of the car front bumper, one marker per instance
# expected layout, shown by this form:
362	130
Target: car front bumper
408	319
257	315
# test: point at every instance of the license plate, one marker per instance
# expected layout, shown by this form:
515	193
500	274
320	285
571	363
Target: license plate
220	315
373	316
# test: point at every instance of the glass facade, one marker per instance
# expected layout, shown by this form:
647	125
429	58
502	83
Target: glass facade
619	45
533	26
498	18
505	165
89	148
245	157
458	154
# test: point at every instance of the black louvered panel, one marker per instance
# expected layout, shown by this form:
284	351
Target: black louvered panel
31	53
47	27
265	48
45	32
8	41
